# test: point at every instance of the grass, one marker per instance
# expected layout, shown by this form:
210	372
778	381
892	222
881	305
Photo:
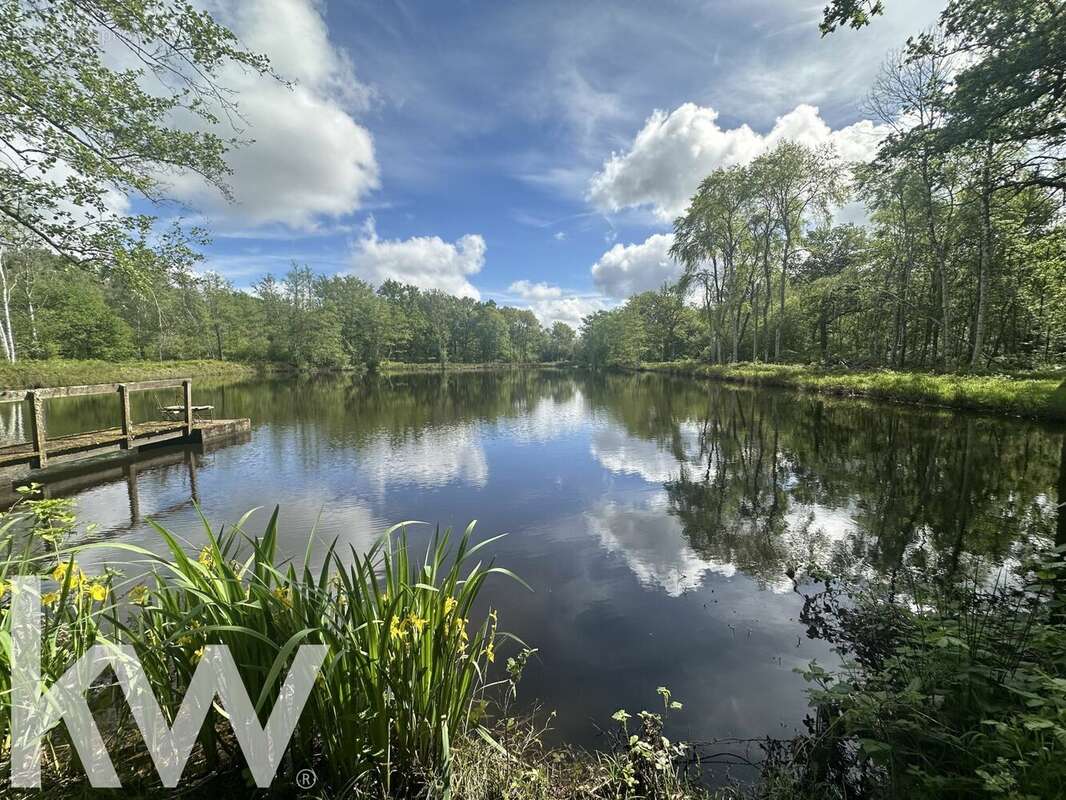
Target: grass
1038	398
403	367
61	372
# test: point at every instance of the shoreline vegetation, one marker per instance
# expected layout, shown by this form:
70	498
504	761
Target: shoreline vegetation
1042	396
414	698
30	374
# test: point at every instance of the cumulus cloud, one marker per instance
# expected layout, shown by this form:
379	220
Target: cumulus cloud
308	157
623	454
427	262
675	150
551	304
528	290
627	269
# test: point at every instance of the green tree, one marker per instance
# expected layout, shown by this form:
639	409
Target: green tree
76	321
559	342
74	129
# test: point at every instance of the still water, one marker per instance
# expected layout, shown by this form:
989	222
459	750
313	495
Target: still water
655	518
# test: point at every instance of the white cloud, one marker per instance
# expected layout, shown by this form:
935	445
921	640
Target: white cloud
674	151
309	158
623	454
551	304
549	419
627	269
427	262
528	290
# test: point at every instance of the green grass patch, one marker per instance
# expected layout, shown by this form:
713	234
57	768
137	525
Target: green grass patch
404	367
61	372
1041	397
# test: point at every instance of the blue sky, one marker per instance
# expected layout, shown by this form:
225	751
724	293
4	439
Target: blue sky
531	152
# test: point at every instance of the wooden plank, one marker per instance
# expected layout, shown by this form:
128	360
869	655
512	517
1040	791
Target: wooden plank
186	386
38	435
95	388
127	418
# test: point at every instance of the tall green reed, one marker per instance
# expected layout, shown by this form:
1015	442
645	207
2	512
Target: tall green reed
409	667
406	666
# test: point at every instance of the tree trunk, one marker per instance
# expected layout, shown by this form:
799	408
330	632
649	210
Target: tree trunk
769	294
986	259
755	322
736	333
33	319
8	334
781	308
1059	614
940	258
823	331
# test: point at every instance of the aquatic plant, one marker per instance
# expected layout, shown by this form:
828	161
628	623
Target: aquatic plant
408	665
405	668
33	542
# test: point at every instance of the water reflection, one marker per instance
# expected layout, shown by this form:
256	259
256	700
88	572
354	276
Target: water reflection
657	519
427	458
653	545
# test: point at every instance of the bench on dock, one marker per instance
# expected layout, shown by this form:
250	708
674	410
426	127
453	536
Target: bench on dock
177	412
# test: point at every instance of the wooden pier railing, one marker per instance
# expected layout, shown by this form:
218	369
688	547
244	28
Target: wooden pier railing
125	437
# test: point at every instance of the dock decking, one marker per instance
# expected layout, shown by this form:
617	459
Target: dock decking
41	452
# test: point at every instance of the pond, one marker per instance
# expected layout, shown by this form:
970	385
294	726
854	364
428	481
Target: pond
656	519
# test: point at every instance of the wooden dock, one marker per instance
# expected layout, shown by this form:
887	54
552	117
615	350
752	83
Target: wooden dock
41	452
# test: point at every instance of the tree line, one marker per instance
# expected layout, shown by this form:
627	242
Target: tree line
50	308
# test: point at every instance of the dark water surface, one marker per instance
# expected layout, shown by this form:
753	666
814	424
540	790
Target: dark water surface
655	518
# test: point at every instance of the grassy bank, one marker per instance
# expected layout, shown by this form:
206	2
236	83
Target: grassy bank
403	367
60	372
57	372
1038	398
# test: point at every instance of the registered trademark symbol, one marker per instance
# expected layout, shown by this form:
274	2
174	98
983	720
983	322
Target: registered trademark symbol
306	778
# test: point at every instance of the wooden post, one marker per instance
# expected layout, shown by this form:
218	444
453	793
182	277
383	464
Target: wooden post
37	429
127	419
187	386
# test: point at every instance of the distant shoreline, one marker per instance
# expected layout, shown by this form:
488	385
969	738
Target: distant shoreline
1042	397
31	374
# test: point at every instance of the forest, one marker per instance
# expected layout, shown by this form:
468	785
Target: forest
56	310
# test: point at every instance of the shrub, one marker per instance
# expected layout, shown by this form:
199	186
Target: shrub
948	691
